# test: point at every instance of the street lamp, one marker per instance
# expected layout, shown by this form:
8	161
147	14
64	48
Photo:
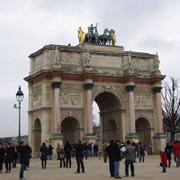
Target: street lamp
19	97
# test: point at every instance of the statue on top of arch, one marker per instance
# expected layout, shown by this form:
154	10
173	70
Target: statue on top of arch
93	37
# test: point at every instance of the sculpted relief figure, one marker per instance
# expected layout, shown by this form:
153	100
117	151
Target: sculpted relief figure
57	56
156	62
87	59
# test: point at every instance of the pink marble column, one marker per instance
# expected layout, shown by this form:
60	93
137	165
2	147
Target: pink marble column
157	91
57	123
88	87
130	89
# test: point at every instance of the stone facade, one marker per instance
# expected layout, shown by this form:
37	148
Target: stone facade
65	80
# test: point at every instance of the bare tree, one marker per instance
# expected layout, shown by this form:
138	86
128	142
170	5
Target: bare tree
171	107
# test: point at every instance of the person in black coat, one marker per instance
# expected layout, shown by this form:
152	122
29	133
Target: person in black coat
8	157
23	158
68	150
109	151
2	154
29	151
44	153
15	155
168	151
79	156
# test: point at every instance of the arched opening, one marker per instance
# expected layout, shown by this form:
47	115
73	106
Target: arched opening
143	130
110	116
70	130
37	138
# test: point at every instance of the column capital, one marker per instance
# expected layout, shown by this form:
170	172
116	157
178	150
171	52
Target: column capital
56	84
130	87
157	89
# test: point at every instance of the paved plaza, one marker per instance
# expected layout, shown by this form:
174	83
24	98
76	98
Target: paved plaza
95	170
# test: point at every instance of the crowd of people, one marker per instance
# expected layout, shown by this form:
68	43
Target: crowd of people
115	151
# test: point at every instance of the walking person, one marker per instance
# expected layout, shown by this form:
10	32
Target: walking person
68	150
163	161
109	151
168	151
29	156
79	157
104	151
85	151
95	149
141	152
9	157
2	154
44	151
116	158
23	159
130	149
176	150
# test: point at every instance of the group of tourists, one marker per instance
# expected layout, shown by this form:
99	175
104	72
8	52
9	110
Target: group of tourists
10	153
166	155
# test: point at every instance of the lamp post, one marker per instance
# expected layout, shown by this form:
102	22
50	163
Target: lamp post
19	97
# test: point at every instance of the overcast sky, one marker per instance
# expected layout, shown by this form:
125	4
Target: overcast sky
27	25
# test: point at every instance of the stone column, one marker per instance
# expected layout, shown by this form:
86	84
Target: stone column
57	122
88	86
130	89
157	91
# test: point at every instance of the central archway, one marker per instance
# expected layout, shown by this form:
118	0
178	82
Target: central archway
70	130
110	116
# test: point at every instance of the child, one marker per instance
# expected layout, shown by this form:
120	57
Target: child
62	158
163	161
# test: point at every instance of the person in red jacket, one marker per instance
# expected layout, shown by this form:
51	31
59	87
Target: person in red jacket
163	161
176	150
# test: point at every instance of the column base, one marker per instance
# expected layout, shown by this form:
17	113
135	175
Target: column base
133	137
159	142
90	138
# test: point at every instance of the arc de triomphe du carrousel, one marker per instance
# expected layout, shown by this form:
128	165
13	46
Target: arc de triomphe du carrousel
65	80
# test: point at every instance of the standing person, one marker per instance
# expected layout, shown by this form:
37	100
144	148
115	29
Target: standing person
104	151
44	151
141	152
163	161
168	151
109	151
130	149
29	156
85	151
176	150
2	154
50	152
15	155
68	150
9	157
116	158
62	158
79	157
58	149
23	159
135	150
89	147
95	149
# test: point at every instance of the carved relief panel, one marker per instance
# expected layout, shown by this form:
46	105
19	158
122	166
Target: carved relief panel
37	96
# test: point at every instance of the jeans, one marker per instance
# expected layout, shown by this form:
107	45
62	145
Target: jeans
50	157
21	175
116	168
68	160
127	163
134	155
80	162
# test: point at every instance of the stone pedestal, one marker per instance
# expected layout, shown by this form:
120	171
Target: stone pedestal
133	137
159	142
56	138
89	138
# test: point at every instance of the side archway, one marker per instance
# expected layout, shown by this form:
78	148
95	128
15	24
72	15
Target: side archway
37	137
70	129
143	130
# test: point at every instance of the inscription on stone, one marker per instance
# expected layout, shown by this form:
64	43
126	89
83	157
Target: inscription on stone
143	101
71	99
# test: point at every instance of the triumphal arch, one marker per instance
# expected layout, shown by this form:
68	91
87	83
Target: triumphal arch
65	80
